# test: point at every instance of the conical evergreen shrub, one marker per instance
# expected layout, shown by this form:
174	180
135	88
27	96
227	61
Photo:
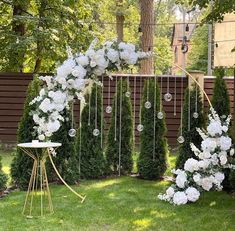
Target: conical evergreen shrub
65	159
22	164
152	162
92	161
113	141
190	133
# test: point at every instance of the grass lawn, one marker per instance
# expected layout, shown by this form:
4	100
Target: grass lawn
124	203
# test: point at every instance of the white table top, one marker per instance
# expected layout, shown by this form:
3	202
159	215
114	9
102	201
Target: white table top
39	145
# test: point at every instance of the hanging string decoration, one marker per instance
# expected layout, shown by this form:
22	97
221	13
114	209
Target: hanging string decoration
128	93
96	131
72	131
72	77
108	108
147	104
160	113
180	139
140	126
168	96
175	97
195	114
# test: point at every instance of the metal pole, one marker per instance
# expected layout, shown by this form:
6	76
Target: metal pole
184	54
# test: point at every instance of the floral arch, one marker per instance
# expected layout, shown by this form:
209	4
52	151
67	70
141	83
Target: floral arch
72	77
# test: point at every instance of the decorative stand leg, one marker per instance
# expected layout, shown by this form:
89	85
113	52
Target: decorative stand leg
38	198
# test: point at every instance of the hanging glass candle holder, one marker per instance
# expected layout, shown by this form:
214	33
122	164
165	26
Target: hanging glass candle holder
128	94
72	132
195	115
147	105
180	139
160	115
96	132
168	97
140	127
108	109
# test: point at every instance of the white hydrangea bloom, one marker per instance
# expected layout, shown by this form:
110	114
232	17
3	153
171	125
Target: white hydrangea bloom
180	198
192	194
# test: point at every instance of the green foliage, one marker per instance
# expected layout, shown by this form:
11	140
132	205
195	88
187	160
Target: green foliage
48	27
22	164
190	134
112	151
92	161
198	53
3	177
220	100
65	160
152	162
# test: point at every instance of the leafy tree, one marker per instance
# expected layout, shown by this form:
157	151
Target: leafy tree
198	54
92	161
21	166
112	151
152	162
190	135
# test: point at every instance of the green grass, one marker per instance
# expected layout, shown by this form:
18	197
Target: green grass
124	203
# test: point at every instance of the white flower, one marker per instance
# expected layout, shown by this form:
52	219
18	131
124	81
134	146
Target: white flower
224	128
204	163
192	194
41	137
191	165
214	128
197	178
180	198
113	55
225	143
53	126
46	105
223	159
79	72
209	144
170	192
219	176
181	179
206	183
82	60
66	68
231	152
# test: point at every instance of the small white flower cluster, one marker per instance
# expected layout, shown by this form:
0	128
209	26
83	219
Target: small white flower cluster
204	173
71	78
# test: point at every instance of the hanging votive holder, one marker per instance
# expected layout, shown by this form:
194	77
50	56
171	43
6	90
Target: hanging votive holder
147	105
168	97
108	109
96	132
140	128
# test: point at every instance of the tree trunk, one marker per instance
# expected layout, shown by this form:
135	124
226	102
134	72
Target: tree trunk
147	27
16	57
119	20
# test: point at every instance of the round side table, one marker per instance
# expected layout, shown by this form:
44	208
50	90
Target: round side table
38	197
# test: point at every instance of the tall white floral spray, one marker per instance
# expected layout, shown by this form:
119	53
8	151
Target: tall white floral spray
205	173
73	75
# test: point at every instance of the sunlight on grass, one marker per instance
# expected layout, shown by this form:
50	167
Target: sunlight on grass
142	223
101	184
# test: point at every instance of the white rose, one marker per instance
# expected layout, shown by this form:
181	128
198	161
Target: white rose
225	143
225	128
180	198
223	159
231	152
197	178
181	179
206	183
214	128
79	72
82	60
191	165
170	192
53	126
219	176
113	55
192	194
41	137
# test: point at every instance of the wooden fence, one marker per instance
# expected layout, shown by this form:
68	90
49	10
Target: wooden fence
13	88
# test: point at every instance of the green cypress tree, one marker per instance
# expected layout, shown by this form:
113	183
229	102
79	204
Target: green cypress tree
22	164
92	161
113	145
65	159
190	134
152	162
220	100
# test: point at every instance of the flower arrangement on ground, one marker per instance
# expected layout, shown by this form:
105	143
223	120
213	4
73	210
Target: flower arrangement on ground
206	173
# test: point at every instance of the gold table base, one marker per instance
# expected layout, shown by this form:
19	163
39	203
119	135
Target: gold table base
38	200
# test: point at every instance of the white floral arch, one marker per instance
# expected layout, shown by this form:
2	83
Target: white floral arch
72	77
